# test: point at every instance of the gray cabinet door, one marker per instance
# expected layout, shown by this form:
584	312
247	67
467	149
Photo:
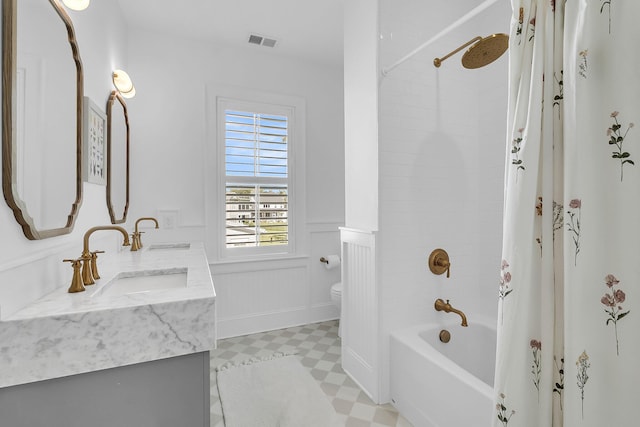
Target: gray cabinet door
163	393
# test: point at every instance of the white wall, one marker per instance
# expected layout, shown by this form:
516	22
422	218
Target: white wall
29	269
441	163
172	146
361	113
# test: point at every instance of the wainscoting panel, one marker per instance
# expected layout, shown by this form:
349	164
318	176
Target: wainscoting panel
260	291
261	295
360	327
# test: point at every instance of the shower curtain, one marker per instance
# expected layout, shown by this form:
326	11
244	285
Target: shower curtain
569	286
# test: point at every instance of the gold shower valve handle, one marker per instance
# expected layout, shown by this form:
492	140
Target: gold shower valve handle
439	262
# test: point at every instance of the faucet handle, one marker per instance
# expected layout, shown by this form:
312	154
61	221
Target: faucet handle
446	264
87	274
94	264
136	244
76	281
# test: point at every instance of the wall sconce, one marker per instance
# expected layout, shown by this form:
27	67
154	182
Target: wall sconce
76	4
123	83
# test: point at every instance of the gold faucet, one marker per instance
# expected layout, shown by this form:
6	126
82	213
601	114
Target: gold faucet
89	258
440	305
135	237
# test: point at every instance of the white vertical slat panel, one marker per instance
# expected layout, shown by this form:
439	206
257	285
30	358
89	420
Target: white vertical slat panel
360	316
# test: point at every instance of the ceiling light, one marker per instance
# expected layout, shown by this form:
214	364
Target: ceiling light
123	83
76	4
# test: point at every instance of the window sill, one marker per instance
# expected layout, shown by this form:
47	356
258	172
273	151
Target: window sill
258	259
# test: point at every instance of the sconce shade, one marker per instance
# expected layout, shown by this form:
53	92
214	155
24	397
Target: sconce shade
123	83
76	4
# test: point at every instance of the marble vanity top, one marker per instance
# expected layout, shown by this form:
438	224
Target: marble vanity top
64	334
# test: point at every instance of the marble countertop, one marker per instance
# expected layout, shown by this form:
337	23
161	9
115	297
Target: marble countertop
65	334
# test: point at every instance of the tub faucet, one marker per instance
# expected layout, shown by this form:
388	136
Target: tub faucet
135	237
90	258
440	305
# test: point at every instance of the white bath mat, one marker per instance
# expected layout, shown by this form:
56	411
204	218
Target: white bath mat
272	392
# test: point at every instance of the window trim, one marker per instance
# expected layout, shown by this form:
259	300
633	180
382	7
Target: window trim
294	108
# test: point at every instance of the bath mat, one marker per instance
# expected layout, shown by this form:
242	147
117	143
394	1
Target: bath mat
276	391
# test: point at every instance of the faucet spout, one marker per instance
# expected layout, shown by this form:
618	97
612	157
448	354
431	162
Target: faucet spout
440	305
137	240
88	258
148	218
85	247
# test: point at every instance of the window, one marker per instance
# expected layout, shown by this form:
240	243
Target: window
256	179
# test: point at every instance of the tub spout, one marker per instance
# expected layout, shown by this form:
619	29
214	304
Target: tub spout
440	305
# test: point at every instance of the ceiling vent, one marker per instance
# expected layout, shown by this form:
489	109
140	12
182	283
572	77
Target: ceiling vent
262	41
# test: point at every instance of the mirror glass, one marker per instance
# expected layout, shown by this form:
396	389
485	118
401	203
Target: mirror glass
117	158
42	115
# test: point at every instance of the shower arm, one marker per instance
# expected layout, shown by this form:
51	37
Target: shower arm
438	61
451	27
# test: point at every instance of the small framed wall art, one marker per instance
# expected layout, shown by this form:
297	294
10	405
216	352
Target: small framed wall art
94	139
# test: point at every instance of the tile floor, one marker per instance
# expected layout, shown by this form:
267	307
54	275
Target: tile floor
318	347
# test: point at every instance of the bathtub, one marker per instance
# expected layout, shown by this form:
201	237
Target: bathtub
434	384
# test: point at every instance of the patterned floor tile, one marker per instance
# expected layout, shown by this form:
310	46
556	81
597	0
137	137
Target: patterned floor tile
318	348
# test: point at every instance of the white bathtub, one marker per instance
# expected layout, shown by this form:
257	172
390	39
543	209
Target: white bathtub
434	384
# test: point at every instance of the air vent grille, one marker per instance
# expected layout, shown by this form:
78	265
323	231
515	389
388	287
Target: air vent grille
268	42
255	39
262	41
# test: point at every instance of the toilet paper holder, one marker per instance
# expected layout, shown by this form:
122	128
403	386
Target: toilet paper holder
331	261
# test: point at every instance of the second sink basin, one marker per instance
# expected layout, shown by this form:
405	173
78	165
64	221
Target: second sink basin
165	246
144	281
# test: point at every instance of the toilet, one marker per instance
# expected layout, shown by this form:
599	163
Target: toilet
336	298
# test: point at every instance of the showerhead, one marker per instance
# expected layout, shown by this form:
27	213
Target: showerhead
483	52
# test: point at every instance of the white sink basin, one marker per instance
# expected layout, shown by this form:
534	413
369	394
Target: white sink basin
170	246
135	282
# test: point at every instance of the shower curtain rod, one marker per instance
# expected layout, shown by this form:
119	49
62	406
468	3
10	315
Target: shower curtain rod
456	24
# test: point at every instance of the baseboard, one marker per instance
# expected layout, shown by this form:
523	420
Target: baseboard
261	322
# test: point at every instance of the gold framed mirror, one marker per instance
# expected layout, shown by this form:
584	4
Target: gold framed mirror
117	158
42	91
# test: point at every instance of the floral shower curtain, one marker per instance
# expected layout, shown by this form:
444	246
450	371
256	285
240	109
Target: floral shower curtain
569	320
